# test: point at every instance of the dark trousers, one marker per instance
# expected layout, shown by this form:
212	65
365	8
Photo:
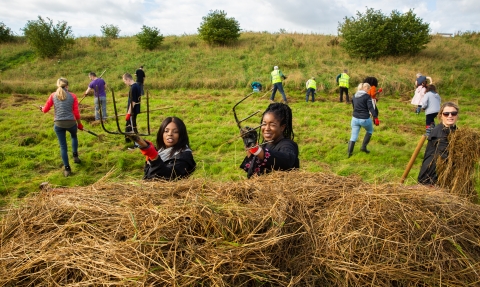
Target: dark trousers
430	118
344	89
279	87
131	125
310	91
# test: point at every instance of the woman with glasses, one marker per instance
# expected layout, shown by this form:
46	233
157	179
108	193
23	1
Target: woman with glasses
438	143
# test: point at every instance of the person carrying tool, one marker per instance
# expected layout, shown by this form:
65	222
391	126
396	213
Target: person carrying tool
140	74
173	159
343	80
67	118
311	86
276	77
362	108
438	143
99	87
278	151
133	107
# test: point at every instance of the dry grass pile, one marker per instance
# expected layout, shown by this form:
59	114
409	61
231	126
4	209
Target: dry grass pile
284	229
459	172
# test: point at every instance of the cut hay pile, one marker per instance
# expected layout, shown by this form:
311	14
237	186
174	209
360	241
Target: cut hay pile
284	229
459	173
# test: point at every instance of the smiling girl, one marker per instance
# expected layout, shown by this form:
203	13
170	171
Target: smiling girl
278	151
174	158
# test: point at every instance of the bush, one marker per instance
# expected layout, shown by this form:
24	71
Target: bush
216	28
110	31
149	38
372	35
46	39
5	33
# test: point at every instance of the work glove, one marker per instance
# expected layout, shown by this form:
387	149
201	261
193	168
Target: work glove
127	117
380	90
249	136
376	121
150	151
80	126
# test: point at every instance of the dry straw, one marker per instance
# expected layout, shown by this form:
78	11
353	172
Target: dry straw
459	171
283	229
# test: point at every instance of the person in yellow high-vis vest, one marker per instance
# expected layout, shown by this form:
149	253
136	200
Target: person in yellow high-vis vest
277	76
343	81
311	88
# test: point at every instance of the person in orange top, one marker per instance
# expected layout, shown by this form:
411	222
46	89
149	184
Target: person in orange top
373	91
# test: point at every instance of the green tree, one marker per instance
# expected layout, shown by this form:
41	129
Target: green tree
48	40
5	33
110	31
216	28
150	38
373	35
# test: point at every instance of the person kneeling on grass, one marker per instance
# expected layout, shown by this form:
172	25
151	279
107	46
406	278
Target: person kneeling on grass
174	158
278	150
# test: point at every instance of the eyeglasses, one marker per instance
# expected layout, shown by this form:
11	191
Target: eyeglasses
454	114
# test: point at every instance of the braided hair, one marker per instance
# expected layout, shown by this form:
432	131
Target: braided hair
283	114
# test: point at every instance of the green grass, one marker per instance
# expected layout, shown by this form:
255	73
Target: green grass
200	84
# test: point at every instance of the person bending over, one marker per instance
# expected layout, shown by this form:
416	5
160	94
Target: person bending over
173	159
278	151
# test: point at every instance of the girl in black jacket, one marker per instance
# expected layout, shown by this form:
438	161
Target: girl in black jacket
173	159
438	143
278	150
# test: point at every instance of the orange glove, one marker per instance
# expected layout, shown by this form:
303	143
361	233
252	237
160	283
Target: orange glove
80	126
380	90
376	121
150	151
127	117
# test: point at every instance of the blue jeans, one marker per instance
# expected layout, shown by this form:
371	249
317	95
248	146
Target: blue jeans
310	91
62	140
103	102
357	123
279	87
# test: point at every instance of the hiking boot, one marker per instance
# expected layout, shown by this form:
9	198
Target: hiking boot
75	158
67	171
272	102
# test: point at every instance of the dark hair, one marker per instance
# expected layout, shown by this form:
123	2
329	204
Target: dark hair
283	114
432	88
183	141
372	81
92	74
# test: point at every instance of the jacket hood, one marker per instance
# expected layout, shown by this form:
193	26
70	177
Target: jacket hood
360	93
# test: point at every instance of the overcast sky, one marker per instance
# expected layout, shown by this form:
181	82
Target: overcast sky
177	17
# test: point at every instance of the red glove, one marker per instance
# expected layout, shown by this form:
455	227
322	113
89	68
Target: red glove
149	151
127	117
376	121
379	90
80	126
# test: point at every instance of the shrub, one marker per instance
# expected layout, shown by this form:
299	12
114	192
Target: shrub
46	39
372	35
5	33
150	38
110	31
216	28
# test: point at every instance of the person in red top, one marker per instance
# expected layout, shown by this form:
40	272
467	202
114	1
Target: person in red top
67	118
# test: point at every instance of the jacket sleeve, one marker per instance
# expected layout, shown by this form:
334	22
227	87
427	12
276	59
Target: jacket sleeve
283	157
180	166
371	108
48	104
75	110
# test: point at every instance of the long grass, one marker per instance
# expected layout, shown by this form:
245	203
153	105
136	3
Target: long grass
200	84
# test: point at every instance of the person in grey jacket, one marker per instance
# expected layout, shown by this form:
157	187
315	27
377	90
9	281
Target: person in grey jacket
362	108
431	104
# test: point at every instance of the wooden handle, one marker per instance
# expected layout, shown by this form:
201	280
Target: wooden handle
412	159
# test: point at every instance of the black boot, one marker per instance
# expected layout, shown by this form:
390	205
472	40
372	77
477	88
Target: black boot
366	140
351	145
75	158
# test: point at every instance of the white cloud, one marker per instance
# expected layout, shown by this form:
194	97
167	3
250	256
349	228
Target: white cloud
175	17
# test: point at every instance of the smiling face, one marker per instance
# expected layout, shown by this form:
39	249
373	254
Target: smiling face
171	135
272	130
448	119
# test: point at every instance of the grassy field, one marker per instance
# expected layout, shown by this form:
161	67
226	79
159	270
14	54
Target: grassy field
200	84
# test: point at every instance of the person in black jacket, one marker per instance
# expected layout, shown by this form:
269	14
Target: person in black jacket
278	151
362	108
174	158
438	143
